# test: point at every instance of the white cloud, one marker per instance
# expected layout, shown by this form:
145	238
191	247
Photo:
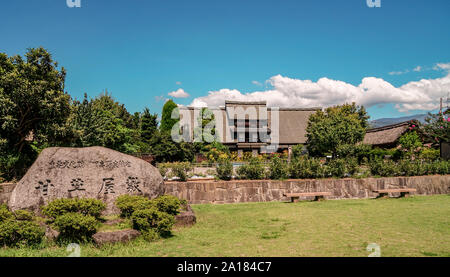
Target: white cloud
442	66
398	72
289	92
178	83
179	93
417	68
257	83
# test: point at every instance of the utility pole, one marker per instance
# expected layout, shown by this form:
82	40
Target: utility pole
448	93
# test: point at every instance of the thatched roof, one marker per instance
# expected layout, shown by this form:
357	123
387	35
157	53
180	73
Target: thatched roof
387	134
293	123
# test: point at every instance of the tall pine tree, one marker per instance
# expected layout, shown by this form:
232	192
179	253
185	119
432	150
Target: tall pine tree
149	125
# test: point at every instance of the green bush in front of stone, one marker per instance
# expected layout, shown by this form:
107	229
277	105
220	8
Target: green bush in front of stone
153	218
19	229
75	219
76	227
127	204
5	214
168	204
23	215
85	206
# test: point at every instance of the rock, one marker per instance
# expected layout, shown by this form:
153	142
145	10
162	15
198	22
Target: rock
115	236
93	172
186	218
51	234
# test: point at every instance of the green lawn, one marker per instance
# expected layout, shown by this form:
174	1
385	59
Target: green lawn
416	226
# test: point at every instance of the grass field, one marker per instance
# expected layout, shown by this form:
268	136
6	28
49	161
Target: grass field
416	226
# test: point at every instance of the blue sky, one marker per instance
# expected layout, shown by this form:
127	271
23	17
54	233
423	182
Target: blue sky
142	50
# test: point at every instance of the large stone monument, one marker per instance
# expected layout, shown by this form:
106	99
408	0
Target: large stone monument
93	172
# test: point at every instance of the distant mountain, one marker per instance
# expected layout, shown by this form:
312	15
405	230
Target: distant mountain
389	121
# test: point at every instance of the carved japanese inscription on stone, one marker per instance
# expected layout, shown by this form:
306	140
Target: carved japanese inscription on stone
93	172
43	187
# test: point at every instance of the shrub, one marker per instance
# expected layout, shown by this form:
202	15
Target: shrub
180	169
92	207
215	150
18	229
76	227
442	167
58	207
305	167
352	166
23	215
5	214
429	154
150	235
224	169
127	204
168	204
410	141
412	168
297	150
16	233
278	168
254	170
163	169
338	167
359	151
384	168
378	153
152	219
346	150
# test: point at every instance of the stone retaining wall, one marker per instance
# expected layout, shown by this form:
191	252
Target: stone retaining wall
269	190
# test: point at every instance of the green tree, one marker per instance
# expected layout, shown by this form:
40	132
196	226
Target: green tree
410	141
164	149
167	122
103	122
33	107
345	124
149	125
136	120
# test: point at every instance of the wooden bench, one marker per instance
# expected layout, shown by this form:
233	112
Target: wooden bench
404	192
317	195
